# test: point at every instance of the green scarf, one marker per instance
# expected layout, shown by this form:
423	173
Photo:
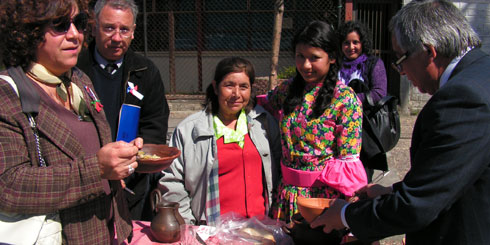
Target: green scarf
64	86
229	134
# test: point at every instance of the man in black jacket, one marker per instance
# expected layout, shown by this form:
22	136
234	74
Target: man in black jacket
121	76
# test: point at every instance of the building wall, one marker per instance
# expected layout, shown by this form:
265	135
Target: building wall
478	14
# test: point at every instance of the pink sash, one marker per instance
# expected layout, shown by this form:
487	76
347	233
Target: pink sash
300	178
346	175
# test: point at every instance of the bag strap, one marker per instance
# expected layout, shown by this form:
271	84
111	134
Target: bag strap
370	63
369	99
11	82
32	122
382	102
29	98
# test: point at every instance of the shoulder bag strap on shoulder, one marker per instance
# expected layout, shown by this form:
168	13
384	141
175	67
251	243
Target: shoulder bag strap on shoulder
29	98
11	82
32	122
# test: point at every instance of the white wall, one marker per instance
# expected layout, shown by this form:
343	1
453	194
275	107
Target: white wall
478	14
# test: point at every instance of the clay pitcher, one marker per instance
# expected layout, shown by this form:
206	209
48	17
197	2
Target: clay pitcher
165	226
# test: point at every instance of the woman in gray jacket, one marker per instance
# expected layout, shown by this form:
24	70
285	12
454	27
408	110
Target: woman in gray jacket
230	152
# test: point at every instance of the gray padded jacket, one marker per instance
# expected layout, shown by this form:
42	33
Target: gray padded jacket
186	180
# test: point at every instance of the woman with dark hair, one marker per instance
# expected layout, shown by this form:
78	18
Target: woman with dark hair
230	151
358	63
320	127
56	159
366	74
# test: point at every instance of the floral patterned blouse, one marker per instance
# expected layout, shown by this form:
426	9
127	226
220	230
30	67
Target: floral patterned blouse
308	144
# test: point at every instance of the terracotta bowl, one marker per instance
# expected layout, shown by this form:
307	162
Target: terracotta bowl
165	153
310	208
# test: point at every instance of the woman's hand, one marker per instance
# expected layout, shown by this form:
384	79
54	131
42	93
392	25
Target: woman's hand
117	158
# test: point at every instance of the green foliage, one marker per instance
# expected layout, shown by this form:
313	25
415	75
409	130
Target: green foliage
287	72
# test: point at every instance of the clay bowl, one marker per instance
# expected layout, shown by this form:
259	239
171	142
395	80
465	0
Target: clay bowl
165	153
310	208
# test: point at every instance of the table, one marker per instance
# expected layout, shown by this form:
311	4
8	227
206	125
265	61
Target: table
142	234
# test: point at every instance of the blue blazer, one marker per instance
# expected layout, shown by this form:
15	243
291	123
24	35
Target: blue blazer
445	196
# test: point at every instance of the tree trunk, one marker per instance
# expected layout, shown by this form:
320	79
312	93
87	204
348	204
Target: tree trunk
276	42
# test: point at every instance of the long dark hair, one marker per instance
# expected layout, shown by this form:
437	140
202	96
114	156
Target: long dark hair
225	67
321	35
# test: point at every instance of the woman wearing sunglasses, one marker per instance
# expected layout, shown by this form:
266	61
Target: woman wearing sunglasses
56	159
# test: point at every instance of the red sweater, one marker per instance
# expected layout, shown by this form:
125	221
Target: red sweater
240	179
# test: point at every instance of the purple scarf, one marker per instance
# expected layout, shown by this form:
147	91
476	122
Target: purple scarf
352	69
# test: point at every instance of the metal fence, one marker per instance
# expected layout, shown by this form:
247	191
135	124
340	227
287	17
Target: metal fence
187	38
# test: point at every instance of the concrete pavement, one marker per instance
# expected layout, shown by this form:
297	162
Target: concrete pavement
398	165
399	157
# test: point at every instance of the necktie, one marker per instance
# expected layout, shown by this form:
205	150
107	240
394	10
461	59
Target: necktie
110	68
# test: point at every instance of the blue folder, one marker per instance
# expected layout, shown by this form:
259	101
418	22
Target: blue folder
129	117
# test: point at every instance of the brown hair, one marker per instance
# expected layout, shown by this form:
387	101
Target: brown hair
225	67
23	25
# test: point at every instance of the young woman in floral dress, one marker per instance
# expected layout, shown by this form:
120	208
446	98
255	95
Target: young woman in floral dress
320	127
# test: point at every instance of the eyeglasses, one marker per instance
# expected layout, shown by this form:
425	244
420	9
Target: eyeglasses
63	24
110	31
397	65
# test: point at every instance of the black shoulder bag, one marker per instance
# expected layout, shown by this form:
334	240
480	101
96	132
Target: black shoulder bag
383	121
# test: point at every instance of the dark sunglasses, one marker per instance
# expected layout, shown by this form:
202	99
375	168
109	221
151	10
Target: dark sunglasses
62	25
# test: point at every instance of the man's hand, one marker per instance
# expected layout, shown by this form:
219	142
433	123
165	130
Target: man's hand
372	191
331	217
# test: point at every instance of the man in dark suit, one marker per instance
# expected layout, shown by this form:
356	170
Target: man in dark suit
120	76
445	196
